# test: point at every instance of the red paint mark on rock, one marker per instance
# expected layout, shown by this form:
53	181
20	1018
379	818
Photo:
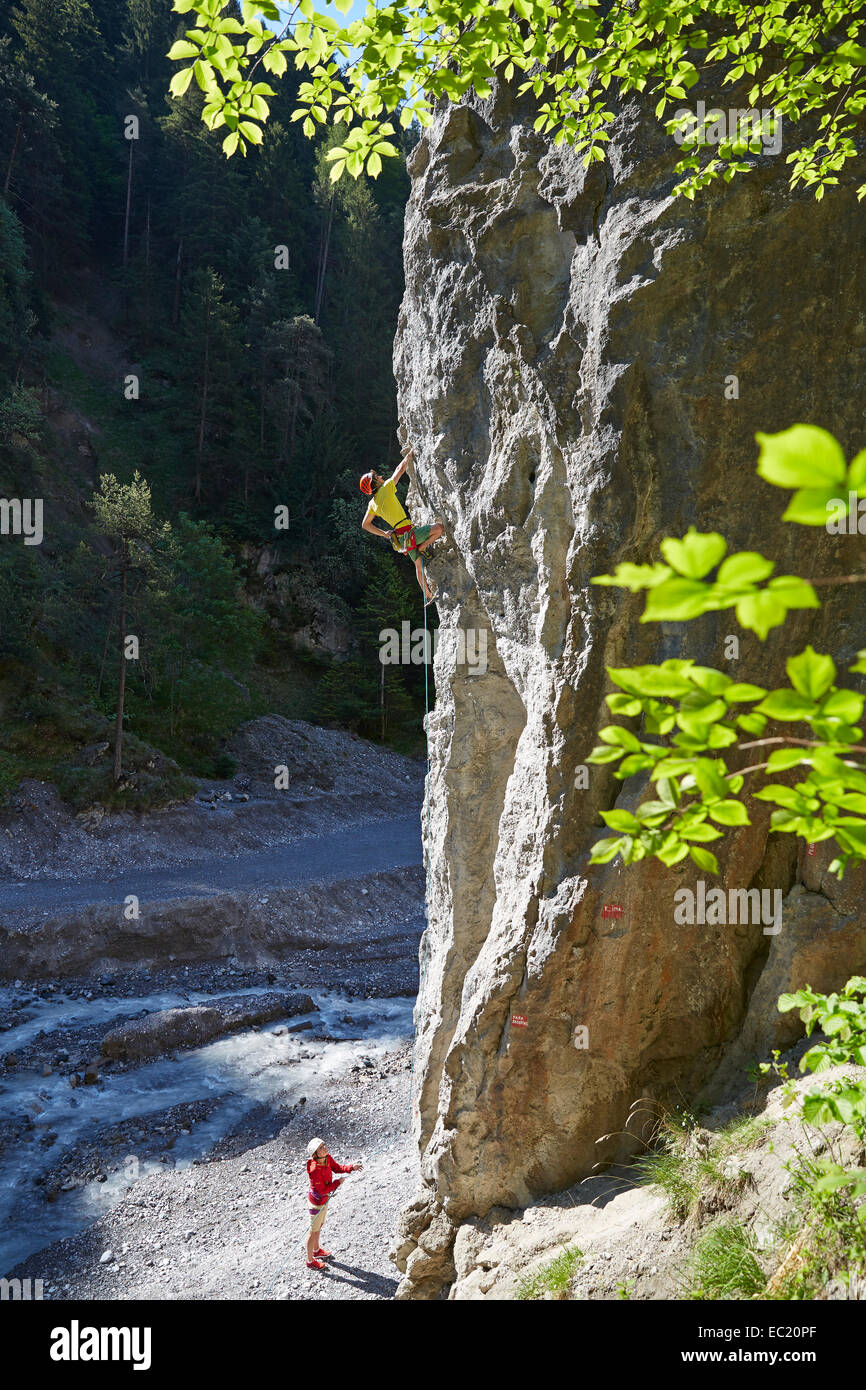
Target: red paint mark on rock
519	1021
812	849
611	910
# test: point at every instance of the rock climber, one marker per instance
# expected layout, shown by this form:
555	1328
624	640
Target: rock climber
321	1168
406	538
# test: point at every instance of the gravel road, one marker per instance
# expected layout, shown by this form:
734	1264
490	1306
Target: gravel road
349	852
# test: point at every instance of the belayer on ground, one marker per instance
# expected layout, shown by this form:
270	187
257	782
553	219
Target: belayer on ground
405	537
321	1168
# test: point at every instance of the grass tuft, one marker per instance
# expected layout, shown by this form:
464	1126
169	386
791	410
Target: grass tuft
553	1278
724	1265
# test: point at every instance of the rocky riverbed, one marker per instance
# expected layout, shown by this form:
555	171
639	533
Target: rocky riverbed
186	1164
161	1071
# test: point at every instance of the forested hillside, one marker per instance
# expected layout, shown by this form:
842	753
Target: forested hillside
216	338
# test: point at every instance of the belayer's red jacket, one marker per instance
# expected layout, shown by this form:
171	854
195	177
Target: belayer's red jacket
322	1178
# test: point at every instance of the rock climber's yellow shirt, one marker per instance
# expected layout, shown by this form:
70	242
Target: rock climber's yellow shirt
386	504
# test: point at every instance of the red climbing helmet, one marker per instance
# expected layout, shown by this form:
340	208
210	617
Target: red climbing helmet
366	484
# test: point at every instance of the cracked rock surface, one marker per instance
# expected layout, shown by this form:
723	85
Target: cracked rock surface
583	363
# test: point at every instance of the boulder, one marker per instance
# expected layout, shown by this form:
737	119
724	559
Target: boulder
199	1024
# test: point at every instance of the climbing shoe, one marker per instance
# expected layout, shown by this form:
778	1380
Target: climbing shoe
315	1264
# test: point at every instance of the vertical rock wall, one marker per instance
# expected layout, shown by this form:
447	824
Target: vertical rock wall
562	354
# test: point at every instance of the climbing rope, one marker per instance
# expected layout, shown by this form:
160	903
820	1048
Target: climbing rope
424	953
303	1239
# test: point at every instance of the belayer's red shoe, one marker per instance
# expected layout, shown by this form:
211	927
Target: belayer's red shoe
315	1264
322	1254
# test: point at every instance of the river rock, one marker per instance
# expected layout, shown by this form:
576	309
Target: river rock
200	1023
583	362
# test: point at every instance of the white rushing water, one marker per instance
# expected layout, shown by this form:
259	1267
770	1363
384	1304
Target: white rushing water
238	1072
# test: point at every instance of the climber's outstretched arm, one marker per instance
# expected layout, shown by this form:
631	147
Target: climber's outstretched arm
401	467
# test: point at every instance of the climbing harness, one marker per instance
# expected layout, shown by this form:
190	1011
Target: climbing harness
403	538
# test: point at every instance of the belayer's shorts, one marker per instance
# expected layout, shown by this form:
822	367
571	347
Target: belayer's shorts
317	1217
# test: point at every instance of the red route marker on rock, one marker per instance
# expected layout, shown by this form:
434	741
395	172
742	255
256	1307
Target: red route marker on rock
611	910
519	1021
811	849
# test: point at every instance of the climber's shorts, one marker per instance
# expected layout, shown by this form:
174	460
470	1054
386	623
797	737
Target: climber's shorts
422	534
317	1217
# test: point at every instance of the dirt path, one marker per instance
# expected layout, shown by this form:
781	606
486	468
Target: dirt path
348	852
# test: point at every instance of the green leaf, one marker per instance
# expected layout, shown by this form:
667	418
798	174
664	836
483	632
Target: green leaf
705	859
620	820
275	61
701	832
696	554
782	796
604	755
752	723
635	762
711	681
710	780
804	456
759	612
204	75
672	852
729	813
746	567
634	577
697	721
846	705
817	1110
648	810
793	592
620	703
785	758
605	850
183	49
814	506
653	681
676	600
857	472
810	673
180	82
741	692
787	704
615	733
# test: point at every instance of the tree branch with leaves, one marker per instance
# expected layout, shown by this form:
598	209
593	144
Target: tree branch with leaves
694	718
805	62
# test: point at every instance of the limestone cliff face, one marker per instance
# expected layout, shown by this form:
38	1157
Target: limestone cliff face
562	356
